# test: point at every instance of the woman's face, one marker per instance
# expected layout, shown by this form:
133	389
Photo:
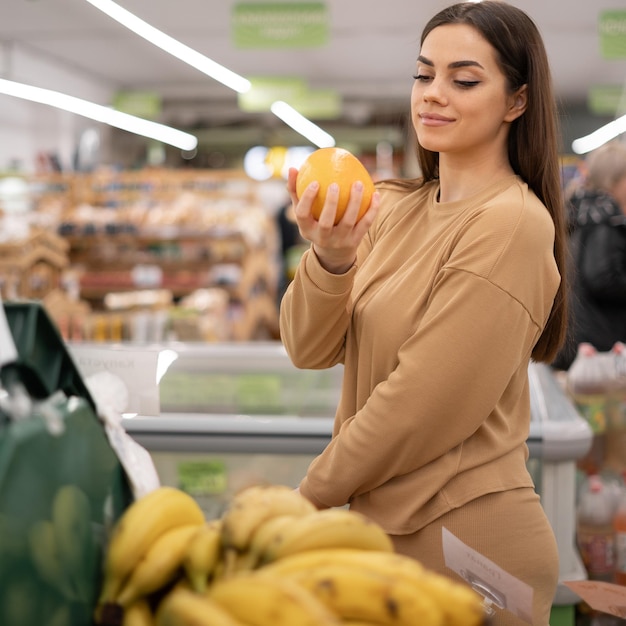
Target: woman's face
460	103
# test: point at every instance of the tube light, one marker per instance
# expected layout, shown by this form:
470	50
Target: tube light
302	125
172	46
599	137
99	113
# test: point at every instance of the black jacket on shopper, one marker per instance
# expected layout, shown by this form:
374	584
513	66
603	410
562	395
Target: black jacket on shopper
598	274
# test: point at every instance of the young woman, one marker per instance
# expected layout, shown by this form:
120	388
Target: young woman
436	301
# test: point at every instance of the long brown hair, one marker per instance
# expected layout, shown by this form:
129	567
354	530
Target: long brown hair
533	140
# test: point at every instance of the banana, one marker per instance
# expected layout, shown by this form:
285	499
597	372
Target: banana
182	607
268	601
159	565
71	519
251	507
143	522
359	593
47	558
269	532
331	528
383	562
461	606
203	553
138	613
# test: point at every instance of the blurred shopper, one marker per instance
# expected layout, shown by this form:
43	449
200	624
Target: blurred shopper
435	302
598	255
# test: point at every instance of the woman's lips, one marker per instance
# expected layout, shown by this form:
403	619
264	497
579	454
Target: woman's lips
431	119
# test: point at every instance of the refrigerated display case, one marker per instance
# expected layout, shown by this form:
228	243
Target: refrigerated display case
240	413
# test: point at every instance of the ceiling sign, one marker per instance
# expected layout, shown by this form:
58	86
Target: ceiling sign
279	24
612	32
313	103
607	100
146	104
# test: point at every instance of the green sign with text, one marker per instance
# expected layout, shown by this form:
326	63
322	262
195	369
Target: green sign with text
279	24
612	32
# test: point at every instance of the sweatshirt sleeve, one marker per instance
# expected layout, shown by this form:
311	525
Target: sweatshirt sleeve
315	312
451	373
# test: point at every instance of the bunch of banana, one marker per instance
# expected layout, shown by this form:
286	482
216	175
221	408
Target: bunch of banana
380	587
331	528
249	509
147	546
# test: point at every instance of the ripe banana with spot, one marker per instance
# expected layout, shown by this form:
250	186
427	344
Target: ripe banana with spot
461	606
182	607
158	566
331	528
250	508
203	554
359	593
268	601
143	522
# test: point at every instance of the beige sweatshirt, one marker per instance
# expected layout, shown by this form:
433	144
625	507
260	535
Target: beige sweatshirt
435	324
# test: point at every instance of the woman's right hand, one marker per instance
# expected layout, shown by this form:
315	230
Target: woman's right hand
335	245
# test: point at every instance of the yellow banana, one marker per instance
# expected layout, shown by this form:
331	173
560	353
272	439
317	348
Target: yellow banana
182	607
383	562
47	558
268	533
138	613
203	553
159	565
71	519
143	522
251	507
331	528
461	606
268	601
359	593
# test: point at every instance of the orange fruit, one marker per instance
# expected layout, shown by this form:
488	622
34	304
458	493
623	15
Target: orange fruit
334	165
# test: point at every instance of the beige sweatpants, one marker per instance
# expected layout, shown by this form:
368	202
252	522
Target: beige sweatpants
509	528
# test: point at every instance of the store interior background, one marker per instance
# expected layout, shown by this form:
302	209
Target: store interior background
367	63
359	76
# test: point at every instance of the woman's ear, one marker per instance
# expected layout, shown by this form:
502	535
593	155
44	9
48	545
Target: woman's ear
519	102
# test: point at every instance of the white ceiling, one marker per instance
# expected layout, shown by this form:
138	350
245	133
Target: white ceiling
369	59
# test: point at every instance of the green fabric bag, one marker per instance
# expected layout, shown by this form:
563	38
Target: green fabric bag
62	486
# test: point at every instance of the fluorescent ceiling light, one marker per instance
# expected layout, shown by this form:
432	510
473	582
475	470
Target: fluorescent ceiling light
100	113
172	46
302	125
599	137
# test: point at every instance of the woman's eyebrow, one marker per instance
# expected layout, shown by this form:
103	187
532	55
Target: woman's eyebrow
453	65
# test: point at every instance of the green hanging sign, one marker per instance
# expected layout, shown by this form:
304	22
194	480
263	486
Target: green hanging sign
612	32
607	100
279	24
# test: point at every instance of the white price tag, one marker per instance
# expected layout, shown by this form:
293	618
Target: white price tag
498	587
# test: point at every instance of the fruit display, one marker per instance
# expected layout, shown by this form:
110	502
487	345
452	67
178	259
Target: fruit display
334	165
271	559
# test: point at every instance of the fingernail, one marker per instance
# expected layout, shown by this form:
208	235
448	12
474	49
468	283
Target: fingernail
314	185
334	187
358	185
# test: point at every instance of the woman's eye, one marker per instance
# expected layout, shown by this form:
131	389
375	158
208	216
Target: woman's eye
467	84
422	77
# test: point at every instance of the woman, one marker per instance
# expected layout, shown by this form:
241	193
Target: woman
437	299
598	246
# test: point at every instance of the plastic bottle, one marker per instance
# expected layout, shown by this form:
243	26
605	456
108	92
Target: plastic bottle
594	529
